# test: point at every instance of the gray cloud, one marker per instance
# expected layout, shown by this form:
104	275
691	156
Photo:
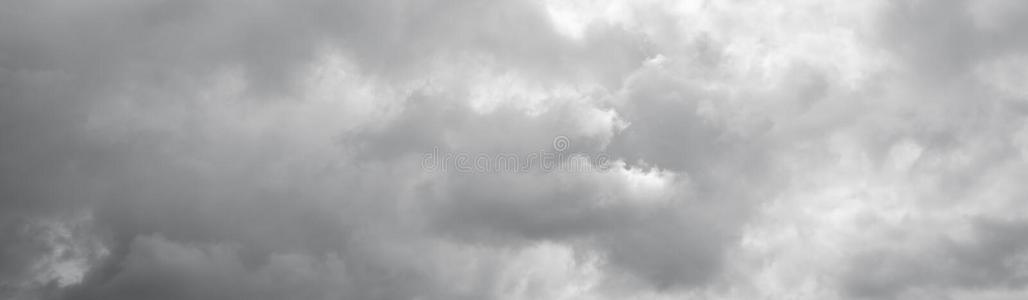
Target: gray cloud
993	258
263	150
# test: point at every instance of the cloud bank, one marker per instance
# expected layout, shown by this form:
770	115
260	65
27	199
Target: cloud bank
752	149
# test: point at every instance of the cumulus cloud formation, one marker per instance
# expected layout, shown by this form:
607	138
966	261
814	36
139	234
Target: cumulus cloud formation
523	149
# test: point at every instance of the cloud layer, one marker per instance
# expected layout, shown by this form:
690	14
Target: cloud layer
756	149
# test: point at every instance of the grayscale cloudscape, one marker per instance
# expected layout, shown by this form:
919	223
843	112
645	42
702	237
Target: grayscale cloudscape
514	149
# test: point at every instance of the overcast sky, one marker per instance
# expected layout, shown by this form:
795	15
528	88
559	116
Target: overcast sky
239	149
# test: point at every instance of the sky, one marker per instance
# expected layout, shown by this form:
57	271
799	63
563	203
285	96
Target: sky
513	149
